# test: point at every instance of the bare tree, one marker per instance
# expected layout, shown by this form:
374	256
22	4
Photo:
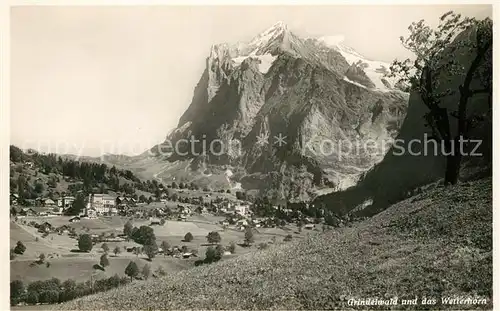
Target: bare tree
424	75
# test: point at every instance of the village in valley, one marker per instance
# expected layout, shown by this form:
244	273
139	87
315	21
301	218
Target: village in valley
94	239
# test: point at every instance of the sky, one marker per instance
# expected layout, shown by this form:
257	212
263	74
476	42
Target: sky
93	80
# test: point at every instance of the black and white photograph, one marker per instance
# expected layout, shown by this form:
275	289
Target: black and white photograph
334	156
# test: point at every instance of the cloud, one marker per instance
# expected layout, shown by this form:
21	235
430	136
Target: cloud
332	40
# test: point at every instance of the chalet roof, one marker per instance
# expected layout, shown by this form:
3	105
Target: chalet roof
37	209
104	196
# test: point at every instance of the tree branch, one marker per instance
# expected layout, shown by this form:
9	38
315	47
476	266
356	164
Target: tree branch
481	91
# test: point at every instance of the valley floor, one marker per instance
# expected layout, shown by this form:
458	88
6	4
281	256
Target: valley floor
435	245
64	263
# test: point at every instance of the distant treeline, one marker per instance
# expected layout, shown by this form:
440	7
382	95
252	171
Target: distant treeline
53	291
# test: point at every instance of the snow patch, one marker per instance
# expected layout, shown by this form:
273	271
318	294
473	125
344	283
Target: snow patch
265	61
183	127
355	83
374	70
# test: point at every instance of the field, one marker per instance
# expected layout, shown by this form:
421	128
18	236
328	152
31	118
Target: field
436	244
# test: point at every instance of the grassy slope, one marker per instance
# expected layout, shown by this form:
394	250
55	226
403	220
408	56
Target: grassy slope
435	244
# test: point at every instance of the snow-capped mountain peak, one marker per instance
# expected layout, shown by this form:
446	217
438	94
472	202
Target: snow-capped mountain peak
374	70
337	42
267	45
276	29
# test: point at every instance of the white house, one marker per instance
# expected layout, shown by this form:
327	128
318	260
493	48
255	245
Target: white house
242	222
74	219
67	201
103	203
91	213
49	202
242	209
57	210
154	221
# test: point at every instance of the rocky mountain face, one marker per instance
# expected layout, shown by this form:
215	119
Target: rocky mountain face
287	114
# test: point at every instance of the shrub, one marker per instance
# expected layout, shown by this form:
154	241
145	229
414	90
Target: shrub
210	255
249	236
20	248
40	286
213	237
219	252
83	289
188	237
288	238
113	281
50	296
104	262
146	271
160	271
117	250
232	248
41	258
127	228
16	291
124	280
144	235
32	298
162	221
165	247
150	250
85	243
105	247
68	290
132	270
262	246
